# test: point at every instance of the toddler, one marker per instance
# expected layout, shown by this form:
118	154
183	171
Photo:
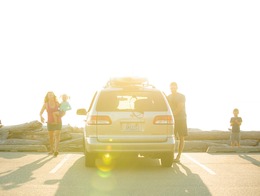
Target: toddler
64	106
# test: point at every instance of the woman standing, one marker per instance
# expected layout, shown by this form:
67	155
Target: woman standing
51	105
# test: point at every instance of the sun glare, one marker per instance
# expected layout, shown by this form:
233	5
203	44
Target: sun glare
210	49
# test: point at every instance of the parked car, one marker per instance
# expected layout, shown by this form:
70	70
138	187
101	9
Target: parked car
129	116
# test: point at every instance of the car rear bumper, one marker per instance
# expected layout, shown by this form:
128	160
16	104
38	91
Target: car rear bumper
93	145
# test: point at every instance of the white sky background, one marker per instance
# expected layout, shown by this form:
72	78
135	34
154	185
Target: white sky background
210	48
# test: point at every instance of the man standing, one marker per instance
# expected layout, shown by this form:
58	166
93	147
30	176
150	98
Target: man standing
177	104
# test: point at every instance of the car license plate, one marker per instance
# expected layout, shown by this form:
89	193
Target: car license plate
132	127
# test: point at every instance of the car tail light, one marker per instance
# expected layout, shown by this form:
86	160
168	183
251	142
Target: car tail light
99	120
163	120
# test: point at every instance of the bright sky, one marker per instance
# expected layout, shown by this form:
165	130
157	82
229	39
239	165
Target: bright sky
210	48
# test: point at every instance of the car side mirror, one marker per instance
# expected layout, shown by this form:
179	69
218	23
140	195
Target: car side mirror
81	111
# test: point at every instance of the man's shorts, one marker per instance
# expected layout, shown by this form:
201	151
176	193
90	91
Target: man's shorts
235	137
180	128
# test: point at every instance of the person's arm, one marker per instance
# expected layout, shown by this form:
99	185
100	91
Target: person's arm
232	121
239	121
179	108
41	112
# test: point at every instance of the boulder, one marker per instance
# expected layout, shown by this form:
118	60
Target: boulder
20	142
72	145
4	134
229	149
197	146
221	135
30	126
208	135
22	148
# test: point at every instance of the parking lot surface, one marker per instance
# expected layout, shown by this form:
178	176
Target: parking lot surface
197	174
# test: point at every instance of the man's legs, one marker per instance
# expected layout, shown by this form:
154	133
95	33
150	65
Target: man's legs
180	130
180	147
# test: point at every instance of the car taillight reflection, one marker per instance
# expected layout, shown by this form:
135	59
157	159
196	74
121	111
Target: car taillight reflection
163	120
99	120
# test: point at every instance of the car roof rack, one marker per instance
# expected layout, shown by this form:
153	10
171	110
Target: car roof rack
128	82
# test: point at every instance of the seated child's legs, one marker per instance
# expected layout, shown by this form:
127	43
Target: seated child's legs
58	114
62	113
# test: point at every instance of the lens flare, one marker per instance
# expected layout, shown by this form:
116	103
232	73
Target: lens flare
103	185
105	165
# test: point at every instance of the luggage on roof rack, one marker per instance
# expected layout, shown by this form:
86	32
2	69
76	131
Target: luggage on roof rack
127	82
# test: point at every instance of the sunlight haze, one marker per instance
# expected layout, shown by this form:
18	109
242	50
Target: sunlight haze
210	48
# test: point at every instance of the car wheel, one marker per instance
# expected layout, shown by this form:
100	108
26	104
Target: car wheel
90	159
83	146
167	159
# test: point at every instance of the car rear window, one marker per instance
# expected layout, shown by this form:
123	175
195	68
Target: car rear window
131	101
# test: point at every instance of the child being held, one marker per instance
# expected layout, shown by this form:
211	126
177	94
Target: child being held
64	107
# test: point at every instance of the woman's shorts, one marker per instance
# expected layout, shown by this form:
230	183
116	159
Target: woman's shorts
54	127
235	137
180	128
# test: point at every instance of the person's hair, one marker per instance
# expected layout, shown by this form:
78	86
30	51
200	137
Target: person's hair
235	110
46	98
173	84
65	95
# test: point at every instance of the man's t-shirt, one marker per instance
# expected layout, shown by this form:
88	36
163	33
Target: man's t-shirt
236	126
174	100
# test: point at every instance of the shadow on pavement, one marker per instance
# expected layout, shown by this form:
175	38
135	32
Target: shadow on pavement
130	176
13	179
14	155
250	159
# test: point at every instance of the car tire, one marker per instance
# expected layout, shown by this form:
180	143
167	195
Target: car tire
90	159
167	159
83	146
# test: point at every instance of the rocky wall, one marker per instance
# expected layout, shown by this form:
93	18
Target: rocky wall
33	136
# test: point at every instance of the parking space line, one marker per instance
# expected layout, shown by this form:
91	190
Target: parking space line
61	163
201	165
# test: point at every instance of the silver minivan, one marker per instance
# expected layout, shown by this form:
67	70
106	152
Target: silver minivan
129	116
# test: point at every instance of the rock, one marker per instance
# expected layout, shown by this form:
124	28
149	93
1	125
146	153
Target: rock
20	142
72	145
221	135
198	146
208	135
23	148
229	149
253	135
242	142
76	135
32	135
4	134
30	126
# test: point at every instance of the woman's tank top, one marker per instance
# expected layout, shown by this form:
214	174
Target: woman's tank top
50	111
